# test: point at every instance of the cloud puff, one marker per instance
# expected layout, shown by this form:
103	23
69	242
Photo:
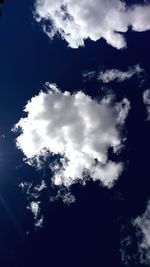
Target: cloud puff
146	100
135	247
78	129
118	75
77	21
89	75
34	205
143	227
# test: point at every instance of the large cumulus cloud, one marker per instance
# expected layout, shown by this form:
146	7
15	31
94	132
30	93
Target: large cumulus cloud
78	20
78	129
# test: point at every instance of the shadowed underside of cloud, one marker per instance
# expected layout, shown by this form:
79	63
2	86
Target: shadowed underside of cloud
76	128
77	21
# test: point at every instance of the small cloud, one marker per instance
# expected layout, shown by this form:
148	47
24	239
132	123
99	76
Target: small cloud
135	245
40	187
142	224
34	207
39	222
31	190
146	100
89	75
110	75
65	196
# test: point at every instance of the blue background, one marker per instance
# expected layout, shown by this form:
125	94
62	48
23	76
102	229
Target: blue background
88	232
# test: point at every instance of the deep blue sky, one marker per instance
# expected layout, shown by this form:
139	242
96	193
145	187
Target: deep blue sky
88	232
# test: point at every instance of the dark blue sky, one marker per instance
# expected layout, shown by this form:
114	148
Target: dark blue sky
88	232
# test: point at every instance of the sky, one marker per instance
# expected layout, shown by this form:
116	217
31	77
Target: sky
74	133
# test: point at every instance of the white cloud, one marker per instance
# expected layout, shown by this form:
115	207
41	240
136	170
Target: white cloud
146	97
88	75
146	100
39	222
118	75
65	195
34	207
77	128
143	227
78	20
33	191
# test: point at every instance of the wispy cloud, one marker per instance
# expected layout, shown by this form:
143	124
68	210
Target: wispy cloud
110	75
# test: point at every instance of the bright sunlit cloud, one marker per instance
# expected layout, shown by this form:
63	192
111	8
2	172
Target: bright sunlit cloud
78	129
76	21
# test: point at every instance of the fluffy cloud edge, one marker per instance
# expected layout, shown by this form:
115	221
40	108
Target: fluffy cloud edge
75	21
72	132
